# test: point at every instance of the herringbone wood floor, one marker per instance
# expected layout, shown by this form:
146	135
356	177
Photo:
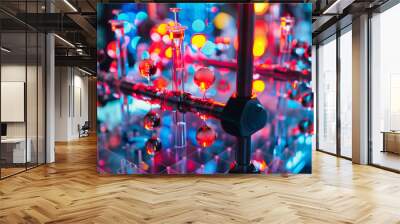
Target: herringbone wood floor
70	191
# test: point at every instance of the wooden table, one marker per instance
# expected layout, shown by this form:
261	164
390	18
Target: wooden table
391	141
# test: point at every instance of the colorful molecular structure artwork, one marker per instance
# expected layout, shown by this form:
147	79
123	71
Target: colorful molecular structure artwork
186	88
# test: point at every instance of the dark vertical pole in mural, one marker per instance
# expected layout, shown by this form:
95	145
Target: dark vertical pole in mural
245	52
244	78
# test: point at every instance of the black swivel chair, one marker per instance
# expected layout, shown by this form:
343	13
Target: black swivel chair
84	129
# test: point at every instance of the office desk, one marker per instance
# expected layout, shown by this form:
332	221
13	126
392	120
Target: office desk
13	150
391	141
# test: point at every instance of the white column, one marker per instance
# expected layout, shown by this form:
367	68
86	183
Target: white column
360	90
50	101
50	92
63	97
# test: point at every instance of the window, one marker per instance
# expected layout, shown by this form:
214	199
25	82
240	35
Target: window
346	93
385	89
327	96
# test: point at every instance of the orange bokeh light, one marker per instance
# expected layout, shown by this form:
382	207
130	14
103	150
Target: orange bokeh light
263	165
260	8
258	86
222	19
199	40
162	28
168	52
259	46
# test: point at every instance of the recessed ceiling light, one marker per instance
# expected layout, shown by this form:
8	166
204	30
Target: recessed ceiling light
84	71
5	50
70	5
64	40
334	5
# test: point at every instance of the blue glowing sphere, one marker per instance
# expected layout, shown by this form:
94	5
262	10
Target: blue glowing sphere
198	25
141	16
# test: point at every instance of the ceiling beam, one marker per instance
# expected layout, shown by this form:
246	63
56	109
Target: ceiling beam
337	7
78	61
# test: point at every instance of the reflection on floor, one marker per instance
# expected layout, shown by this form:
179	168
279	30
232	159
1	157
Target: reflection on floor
12	169
71	191
386	159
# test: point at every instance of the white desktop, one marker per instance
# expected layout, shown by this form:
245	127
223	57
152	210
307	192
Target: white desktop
18	149
13	99
17	146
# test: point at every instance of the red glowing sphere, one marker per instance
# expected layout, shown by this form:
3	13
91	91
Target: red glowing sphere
205	136
147	68
223	86
204	78
153	145
113	67
112	49
151	120
160	83
114	141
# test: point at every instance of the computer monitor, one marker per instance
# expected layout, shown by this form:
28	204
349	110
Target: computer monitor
3	130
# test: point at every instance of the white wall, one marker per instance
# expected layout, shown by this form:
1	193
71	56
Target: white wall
71	102
16	73
61	104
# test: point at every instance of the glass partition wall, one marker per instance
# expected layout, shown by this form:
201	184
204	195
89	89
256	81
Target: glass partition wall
385	90
13	94
22	78
334	94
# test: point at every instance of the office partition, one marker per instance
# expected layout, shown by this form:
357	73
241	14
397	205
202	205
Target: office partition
22	77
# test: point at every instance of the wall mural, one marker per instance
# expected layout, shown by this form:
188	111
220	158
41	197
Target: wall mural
204	88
